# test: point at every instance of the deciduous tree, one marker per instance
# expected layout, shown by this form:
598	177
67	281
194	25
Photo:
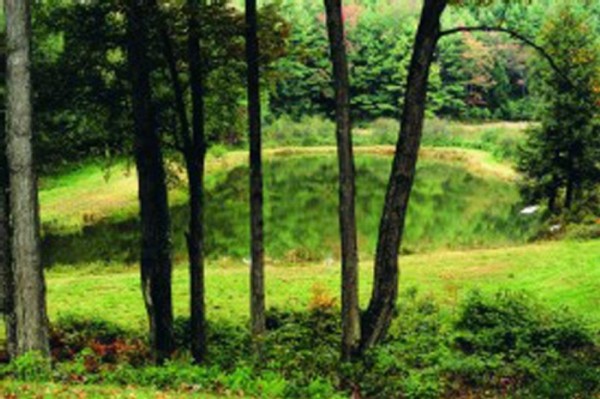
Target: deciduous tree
257	289
347	181
31	321
152	188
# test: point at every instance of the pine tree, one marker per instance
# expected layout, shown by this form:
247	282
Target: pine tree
560	157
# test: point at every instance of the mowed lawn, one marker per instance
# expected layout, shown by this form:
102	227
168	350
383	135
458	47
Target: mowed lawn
561	274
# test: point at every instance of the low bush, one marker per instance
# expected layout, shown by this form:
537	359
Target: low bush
510	343
495	345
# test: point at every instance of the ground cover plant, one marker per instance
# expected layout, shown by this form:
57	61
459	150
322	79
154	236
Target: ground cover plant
505	343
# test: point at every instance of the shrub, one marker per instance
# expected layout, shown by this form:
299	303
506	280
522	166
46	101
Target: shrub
508	341
496	345
32	366
70	336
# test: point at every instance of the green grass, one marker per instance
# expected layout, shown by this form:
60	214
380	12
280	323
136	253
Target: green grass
501	139
558	273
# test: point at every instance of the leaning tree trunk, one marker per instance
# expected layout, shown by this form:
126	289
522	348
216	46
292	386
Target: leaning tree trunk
257	289
30	292
378	316
154	210
347	189
195	167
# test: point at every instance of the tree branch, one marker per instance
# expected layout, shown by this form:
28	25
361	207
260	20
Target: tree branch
515	35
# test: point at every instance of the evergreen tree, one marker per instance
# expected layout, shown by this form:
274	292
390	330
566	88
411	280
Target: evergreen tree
560	157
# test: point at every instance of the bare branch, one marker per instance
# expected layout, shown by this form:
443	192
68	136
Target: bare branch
515	35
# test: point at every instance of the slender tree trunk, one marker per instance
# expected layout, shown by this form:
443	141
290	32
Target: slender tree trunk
30	292
378	316
196	179
257	289
154	210
553	193
571	182
552	200
569	194
6	272
194	151
347	189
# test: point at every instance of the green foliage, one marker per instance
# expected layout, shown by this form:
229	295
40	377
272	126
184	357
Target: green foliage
32	366
82	79
475	76
503	344
511	343
559	160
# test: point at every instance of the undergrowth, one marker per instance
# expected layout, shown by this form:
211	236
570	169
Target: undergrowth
505	344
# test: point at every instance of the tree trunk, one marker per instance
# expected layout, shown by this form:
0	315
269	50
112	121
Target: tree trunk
194	152
569	194
347	189
195	167
154	210
6	272
257	290
30	292
571	181
378	316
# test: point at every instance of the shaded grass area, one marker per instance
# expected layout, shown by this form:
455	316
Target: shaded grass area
560	274
460	199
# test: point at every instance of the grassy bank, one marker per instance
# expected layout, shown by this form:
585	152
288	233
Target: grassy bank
559	274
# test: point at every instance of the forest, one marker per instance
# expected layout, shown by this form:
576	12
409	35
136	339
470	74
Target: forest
300	199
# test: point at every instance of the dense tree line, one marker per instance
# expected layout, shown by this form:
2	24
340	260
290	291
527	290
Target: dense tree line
81	74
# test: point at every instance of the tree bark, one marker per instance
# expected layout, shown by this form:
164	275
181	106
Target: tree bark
195	165
377	318
257	290
154	210
347	189
30	292
194	152
6	272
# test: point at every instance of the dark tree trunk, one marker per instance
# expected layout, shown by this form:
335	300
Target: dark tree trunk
378	316
569	194
154	210
553	194
6	272
571	181
195	165
194	151
257	289
552	200
347	189
30	292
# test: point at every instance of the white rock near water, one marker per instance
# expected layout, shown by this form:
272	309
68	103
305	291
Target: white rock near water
529	210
